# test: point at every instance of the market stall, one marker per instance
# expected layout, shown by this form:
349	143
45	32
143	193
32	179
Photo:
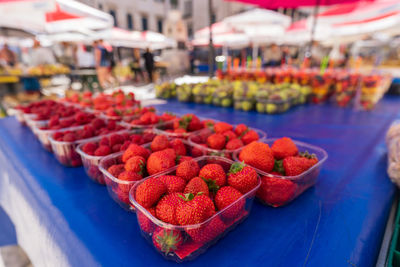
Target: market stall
322	227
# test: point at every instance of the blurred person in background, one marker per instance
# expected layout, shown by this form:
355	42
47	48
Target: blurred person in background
102	63
85	57
317	54
7	56
340	56
149	63
272	56
41	55
135	66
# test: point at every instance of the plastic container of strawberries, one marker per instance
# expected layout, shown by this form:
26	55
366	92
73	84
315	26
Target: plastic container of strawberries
91	163
203	134
65	152
295	184
189	249
118	189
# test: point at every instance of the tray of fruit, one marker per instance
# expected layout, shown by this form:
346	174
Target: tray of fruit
166	90
223	139
184	126
184	92
93	150
272	100
181	222
244	95
122	170
287	168
223	95
203	92
43	129
149	119
64	142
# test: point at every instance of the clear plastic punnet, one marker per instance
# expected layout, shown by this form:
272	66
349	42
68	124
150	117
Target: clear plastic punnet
192	240
281	190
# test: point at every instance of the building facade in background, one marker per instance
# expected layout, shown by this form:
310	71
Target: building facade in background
161	15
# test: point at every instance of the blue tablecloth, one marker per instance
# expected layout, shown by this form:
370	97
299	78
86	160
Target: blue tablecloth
339	222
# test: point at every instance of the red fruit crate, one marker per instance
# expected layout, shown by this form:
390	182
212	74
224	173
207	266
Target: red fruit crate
192	240
119	189
199	139
281	190
91	162
65	151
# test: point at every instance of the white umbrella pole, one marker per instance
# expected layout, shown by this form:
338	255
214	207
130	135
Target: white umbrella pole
255	55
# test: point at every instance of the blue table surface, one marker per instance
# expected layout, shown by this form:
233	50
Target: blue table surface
339	222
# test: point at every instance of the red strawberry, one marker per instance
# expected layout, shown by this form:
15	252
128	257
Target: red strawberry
160	161
167	240
225	197
116	148
194	209
166	207
241	129
198	151
208	231
147	137
221	127
128	176
197	185
188	169
102	150
250	136
229	135
258	155
89	148
144	222
242	178
214	176
115	170
149	192
216	141
284	147
98	123
181	159
188	122
125	145
136	164
276	191
116	139
135	150
159	143
173	183
178	146
297	165
69	137
234	144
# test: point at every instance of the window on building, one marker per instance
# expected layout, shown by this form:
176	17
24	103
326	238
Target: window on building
160	25
129	21
190	30
213	18
144	23
113	14
188	8
100	6
174	3
160	1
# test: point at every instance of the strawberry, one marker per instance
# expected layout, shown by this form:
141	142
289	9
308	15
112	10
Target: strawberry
216	141
136	164
160	161
180	159
258	155
221	127
89	148
225	197
208	231
144	222
276	191
116	148
178	146
166	207
189	122
167	240
198	151
194	209
297	165
188	169
116	139
234	144
197	185
69	137
241	129
173	183
284	147
125	145
115	170
229	135
149	192
250	136
160	142
102	150
242	178
213	175
135	150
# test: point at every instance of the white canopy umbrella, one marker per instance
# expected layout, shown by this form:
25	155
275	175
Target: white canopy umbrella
216	28
119	37
51	16
232	40
153	40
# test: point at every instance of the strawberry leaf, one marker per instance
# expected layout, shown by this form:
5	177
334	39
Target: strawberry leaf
236	167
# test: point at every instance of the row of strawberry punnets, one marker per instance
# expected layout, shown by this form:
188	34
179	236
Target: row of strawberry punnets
183	209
